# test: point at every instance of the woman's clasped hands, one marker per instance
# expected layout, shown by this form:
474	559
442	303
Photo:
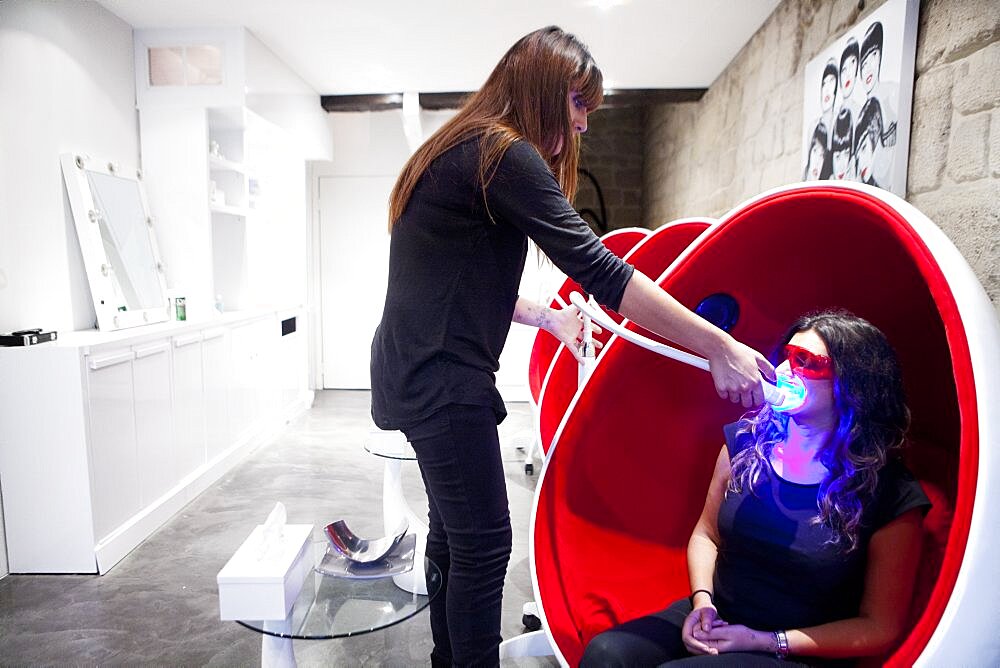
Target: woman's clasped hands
704	632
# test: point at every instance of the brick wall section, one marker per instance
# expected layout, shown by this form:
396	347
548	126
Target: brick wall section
612	150
703	158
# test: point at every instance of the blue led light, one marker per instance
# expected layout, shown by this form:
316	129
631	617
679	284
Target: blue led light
720	309
793	390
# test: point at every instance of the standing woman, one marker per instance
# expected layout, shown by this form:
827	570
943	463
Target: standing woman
501	171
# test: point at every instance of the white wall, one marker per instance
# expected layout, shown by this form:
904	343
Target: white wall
369	150
68	86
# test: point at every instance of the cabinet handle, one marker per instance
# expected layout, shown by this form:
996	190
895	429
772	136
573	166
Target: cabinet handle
214	333
96	363
181	341
152	349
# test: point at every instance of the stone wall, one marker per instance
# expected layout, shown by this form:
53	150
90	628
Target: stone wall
612	150
741	138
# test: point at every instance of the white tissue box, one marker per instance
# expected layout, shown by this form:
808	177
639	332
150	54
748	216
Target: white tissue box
255	588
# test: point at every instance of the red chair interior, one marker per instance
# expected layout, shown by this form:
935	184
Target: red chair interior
544	348
652	256
627	479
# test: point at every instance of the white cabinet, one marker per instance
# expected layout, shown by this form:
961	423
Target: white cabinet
215	361
246	405
113	459
104	436
156	461
188	403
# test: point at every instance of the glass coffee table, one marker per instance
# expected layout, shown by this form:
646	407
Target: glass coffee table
338	607
392	447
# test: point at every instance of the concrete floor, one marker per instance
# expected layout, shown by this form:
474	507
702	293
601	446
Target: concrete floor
159	605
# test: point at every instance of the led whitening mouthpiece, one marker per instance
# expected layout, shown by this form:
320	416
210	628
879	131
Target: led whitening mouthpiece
792	390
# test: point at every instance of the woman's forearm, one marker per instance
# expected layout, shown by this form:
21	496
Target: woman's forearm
857	636
652	307
702	554
527	312
735	368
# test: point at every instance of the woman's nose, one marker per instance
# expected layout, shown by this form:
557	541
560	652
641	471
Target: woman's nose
580	123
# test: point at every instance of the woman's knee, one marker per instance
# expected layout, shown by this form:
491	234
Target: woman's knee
482	548
605	649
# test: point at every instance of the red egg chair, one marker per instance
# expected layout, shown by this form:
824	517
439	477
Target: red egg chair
625	479
619	242
652	255
545	346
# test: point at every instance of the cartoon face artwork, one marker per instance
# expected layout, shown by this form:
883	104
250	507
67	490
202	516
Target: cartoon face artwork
842	146
842	165
865	159
867	138
849	68
817	155
828	86
871	57
869	70
818	164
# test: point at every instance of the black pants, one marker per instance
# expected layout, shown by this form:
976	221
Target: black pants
458	450
655	640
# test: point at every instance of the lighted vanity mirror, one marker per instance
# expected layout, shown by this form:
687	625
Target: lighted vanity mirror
116	237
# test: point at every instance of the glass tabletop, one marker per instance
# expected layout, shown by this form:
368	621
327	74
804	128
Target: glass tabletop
336	607
390	448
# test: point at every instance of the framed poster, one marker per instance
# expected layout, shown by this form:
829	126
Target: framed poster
858	99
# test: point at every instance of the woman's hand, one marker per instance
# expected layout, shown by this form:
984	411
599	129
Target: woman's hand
736	370
735	638
566	324
697	629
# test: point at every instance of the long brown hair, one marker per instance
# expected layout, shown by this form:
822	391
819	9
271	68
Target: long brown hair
872	421
525	98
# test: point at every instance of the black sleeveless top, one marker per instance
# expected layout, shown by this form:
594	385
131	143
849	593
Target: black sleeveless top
775	569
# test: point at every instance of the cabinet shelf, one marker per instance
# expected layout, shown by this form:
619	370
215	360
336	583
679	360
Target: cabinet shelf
217	164
241	211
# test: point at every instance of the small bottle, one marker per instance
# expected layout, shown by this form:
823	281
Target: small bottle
180	305
219	305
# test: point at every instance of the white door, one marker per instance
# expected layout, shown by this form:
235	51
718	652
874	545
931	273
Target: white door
354	243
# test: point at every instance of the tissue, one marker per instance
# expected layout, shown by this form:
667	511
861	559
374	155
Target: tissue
274	531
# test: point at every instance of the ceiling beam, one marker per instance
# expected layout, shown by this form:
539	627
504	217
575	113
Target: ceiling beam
620	97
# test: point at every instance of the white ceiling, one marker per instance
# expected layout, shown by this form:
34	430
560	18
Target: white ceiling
384	46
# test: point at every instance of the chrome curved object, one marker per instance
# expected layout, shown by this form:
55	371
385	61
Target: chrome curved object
359	549
400	559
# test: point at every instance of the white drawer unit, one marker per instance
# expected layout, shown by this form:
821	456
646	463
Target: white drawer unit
105	436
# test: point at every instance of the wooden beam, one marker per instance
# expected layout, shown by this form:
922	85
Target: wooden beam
620	97
376	102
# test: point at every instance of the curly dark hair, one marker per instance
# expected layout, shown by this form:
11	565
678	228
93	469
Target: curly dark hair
873	419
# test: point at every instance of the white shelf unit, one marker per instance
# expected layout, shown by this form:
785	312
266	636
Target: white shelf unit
229	176
248	248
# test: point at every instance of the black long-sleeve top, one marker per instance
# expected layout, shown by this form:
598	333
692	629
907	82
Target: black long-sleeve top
454	275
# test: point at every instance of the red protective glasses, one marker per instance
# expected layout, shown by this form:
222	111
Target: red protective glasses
808	364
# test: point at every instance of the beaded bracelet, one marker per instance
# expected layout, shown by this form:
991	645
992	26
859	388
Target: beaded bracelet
781	642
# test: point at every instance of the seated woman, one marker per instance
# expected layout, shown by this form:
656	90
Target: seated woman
809	540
